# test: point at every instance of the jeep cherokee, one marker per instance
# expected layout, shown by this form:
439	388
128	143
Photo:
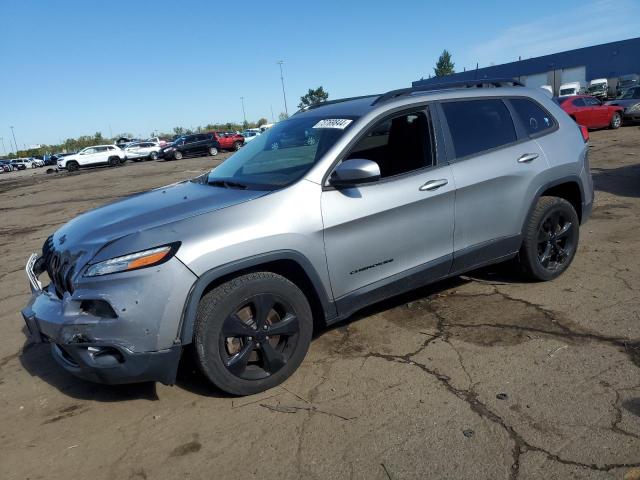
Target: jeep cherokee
398	190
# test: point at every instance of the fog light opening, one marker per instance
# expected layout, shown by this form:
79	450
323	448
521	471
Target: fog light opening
98	308
105	355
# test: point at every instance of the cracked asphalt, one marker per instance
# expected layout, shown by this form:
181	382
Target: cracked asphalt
481	376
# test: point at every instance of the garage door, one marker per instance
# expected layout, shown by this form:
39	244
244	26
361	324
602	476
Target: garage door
535	81
576	74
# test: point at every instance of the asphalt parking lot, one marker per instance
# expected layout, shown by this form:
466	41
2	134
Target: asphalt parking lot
482	376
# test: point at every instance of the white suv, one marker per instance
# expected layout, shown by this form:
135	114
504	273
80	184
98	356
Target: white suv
92	157
142	151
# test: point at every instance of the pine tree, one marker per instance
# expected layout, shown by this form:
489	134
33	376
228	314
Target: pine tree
444	66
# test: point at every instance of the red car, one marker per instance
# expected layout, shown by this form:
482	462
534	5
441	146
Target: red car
228	141
591	112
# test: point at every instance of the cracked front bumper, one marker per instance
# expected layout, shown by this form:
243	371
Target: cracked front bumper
138	342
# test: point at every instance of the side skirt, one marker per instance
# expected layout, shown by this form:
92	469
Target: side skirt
472	258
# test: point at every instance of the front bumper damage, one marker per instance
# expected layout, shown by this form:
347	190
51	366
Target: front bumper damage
120	328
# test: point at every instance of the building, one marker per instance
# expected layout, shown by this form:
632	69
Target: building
609	60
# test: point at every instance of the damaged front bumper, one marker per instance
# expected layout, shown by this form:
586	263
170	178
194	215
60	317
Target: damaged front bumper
120	328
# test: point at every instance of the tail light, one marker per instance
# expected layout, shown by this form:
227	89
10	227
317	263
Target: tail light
585	133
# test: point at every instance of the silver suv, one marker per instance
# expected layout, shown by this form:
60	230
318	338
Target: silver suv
397	190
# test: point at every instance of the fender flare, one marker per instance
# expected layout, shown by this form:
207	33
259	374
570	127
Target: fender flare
187	322
554	183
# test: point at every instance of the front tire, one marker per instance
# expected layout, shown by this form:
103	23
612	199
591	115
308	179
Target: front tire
213	151
177	155
252	332
72	166
616	121
153	156
550	239
237	145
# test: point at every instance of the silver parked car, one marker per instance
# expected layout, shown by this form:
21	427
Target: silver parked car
397	190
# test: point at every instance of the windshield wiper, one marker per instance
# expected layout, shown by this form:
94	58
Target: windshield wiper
228	184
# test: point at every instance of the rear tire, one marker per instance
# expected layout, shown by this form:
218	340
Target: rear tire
72	166
237	145
233	344
616	121
153	156
177	155
550	239
113	161
213	151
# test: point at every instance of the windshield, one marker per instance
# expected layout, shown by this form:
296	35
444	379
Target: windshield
281	155
627	94
596	87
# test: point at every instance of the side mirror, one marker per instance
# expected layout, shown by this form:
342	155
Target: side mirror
355	171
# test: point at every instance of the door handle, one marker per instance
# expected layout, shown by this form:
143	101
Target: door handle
527	157
433	184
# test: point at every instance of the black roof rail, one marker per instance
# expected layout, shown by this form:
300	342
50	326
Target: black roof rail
479	83
337	100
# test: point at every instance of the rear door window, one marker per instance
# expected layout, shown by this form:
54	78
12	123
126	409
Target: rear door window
478	125
534	118
579	102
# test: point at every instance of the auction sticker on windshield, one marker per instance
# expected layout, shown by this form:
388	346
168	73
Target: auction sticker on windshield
339	123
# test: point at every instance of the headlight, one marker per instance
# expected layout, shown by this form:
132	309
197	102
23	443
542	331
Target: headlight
133	261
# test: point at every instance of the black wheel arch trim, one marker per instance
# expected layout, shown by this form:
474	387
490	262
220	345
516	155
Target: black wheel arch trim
187	322
554	183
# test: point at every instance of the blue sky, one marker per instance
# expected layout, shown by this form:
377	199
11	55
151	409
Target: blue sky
76	67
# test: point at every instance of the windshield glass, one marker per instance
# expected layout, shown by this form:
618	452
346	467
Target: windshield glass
283	154
597	87
567	91
627	94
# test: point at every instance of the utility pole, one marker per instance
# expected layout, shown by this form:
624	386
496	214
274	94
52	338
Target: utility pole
4	150
14	138
273	119
284	95
244	115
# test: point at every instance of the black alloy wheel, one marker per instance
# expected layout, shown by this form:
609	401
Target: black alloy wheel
259	337
252	332
556	240
550	239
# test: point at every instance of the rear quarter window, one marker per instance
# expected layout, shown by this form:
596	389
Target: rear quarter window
533	117
478	125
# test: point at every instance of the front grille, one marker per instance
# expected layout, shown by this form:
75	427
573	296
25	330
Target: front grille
59	267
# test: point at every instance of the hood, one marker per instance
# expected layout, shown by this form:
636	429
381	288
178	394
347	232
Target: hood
624	103
83	236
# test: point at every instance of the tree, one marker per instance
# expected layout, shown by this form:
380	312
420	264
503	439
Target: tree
262	121
444	66
282	116
313	97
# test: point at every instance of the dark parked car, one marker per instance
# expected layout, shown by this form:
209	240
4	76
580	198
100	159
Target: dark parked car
627	81
630	101
187	145
6	166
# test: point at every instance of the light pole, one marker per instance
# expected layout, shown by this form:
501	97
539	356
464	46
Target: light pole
284	95
14	138
4	150
244	115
